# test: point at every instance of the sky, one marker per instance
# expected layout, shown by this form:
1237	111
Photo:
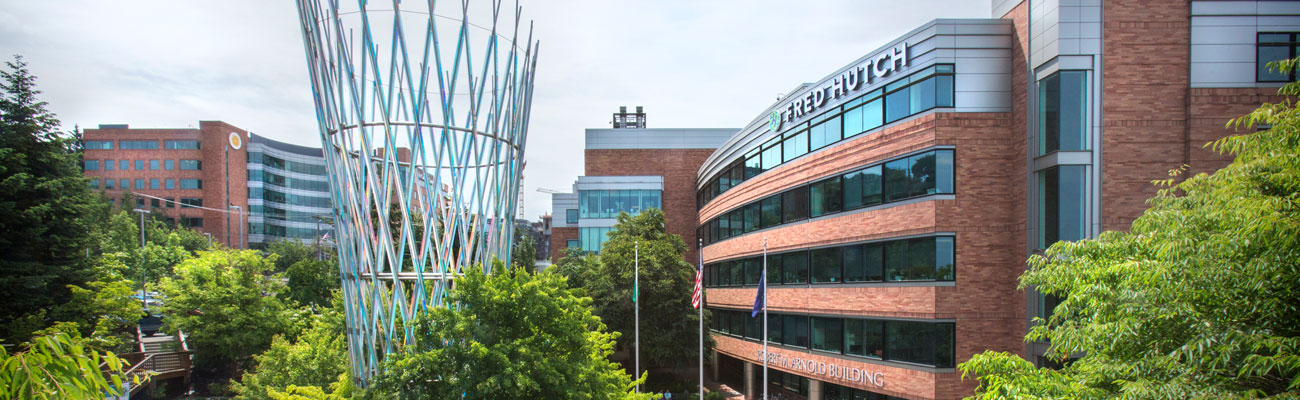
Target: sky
691	64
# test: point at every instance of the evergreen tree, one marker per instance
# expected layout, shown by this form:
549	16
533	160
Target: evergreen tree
45	205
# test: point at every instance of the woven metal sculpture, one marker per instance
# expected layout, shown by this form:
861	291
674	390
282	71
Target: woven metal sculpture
423	116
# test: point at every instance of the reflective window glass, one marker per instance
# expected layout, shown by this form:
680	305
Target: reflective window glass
827	334
1062	110
794	146
826	265
1061	204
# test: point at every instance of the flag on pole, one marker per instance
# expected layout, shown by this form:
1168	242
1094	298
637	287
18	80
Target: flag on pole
634	290
762	292
699	286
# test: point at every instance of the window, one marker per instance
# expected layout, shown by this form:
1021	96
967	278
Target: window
139	183
169	164
171	202
923	259
863	188
1271	47
110	165
794	205
774	269
753	214
775	328
191	183
138	144
1061	204
796	330
591	239
169	183
753	164
571	216
898	102
97	145
753	270
94	183
737	222
153	165
573	244
92	165
824	133
897	179
155	203
920	342
794	145
124	184
609	203
922	174
155	184
191	165
794	267
139	165
181	145
826	265
124	165
191	222
827	334
191	202
110	184
771	211
1061	111
826	197
772	154
864	338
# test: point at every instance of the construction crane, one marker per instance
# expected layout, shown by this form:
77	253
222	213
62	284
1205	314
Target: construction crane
551	191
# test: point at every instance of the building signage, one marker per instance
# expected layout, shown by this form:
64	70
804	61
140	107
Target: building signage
840	372
236	141
878	66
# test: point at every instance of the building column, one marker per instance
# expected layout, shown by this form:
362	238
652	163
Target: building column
750	385
715	365
814	389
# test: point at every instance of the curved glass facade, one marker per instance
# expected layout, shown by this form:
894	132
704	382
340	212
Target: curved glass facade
288	192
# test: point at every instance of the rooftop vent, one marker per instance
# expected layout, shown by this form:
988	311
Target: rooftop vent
626	120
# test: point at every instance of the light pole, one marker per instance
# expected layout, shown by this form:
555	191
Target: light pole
239	220
209	235
144	295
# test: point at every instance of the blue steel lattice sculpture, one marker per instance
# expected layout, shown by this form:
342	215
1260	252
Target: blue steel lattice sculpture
423	128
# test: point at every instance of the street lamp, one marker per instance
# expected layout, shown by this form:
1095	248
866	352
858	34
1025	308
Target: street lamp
240	221
144	295
209	235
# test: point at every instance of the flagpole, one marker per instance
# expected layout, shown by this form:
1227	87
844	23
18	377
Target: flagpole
765	357
636	304
701	271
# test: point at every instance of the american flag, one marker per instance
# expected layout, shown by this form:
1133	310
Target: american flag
699	287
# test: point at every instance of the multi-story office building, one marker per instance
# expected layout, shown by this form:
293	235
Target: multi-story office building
212	178
288	192
897	198
629	169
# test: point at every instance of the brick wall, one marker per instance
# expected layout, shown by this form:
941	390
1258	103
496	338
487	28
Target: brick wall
677	166
560	237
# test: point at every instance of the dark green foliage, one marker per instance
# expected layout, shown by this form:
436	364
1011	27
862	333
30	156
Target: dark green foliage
45	205
525	252
512	335
311	281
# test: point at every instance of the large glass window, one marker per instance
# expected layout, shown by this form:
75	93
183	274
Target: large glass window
898	103
609	203
920	342
124	165
771	211
753	215
181	144
169	164
110	165
796	330
772	154
139	184
922	174
138	144
169	183
191	165
794	268
753	164
827	334
1272	47
571	216
753	270
898	179
1062	110
191	184
794	205
154	165
863	188
92	165
864	263
864	338
97	145
110	184
155	184
826	197
1061	204
794	145
824	133
826	267
139	165
591	239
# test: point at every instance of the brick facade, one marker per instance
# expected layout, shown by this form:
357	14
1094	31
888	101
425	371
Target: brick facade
677	166
215	174
560	238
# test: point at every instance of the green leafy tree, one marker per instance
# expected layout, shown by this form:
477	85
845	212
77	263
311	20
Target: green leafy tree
225	302
580	268
316	359
511	335
666	283
289	252
1198	299
44	205
525	252
311	281
103	310
61	366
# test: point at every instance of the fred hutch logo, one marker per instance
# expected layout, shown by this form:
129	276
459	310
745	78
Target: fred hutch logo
879	66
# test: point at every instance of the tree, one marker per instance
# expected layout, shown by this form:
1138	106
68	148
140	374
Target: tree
226	304
316	359
511	335
311	281
525	252
289	252
61	366
102	310
1198	300
44	203
666	283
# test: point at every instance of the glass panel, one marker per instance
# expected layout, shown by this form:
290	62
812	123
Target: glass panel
922	95
853	264
794	267
796	330
753	165
737	272
110	165
737	222
873	259
826	197
1061	212
827	334
921	255
1061	113
771	211
774	269
92	165
826	265
854	343
1274	37
943	258
794	146
753	270
873	114
852	122
794	205
852	190
772	156
897	181
943	171
896	260
774	328
873	338
1267	54
753	325
922	174
943	91
897	105
872	186
752	217
139	165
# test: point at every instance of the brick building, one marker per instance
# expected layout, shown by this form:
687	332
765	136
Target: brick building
897	198
628	169
196	177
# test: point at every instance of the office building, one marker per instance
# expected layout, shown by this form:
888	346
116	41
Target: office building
898	197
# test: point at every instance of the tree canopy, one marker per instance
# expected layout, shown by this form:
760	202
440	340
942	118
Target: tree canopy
316	359
61	365
512	334
1199	299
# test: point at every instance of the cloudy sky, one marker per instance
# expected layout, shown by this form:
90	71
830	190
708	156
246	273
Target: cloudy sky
697	64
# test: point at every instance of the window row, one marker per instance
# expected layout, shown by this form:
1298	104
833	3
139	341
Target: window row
141	165
287	198
608	203
919	259
904	178
919	92
279	214
155	184
142	144
292	183
281	164
592	239
918	342
1273	47
271	229
831	391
